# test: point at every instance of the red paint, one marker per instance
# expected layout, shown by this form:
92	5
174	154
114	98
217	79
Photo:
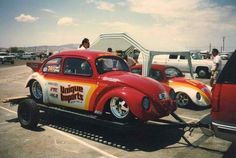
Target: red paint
130	87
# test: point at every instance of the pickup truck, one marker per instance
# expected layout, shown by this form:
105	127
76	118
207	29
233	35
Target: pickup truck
5	57
199	65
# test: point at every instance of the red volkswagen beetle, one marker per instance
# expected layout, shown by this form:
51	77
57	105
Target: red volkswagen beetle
99	83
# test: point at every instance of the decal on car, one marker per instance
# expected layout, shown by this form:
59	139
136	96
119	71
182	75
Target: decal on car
71	94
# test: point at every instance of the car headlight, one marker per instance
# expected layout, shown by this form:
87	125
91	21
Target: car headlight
172	94
198	96
146	103
163	96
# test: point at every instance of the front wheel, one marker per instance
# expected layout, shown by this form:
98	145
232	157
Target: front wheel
119	109
182	99
36	91
28	114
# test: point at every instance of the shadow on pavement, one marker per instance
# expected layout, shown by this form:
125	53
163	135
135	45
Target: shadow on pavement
16	120
196	108
144	138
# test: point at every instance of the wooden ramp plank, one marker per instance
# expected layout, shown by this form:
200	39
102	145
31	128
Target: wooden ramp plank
15	99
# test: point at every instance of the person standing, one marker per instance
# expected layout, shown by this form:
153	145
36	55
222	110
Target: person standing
84	45
216	66
130	61
109	50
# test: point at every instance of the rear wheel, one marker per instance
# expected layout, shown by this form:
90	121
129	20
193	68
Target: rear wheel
36	91
28	114
182	99
119	109
202	73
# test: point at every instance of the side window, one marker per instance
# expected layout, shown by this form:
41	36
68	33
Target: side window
173	72
155	74
77	66
53	66
173	56
183	57
229	73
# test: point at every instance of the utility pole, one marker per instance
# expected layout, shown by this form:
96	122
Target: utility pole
223	48
209	47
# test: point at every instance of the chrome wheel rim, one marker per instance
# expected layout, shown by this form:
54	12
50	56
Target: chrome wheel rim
119	108
37	90
182	99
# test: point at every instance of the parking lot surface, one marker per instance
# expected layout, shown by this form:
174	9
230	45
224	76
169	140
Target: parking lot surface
58	136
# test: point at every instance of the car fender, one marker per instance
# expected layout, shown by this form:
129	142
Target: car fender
36	76
204	101
130	95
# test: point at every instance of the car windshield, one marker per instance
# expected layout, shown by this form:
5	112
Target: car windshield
173	72
197	56
110	63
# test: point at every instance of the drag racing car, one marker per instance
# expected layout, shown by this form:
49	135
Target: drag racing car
187	90
99	83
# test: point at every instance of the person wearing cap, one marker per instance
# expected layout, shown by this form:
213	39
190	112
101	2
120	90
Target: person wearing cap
84	45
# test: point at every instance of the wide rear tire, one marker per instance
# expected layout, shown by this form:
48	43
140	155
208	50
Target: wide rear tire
28	114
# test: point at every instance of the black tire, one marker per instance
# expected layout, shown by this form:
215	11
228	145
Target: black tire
28	114
182	99
12	62
202	72
36	91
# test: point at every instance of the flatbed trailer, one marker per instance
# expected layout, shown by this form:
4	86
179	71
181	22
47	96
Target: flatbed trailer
29	118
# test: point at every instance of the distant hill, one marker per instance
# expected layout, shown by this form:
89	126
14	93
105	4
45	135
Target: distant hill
46	48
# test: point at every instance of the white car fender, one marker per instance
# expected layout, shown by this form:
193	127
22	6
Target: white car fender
36	76
192	95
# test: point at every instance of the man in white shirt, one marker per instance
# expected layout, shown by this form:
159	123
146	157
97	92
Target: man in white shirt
84	45
216	66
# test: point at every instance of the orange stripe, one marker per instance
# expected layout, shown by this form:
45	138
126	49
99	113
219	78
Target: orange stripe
178	84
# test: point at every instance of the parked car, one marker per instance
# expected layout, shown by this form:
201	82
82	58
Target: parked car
98	83
199	65
223	111
28	56
6	58
187	90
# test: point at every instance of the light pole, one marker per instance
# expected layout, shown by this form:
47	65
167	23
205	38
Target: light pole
223	49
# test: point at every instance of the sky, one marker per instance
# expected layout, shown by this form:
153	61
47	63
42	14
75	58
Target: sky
155	24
